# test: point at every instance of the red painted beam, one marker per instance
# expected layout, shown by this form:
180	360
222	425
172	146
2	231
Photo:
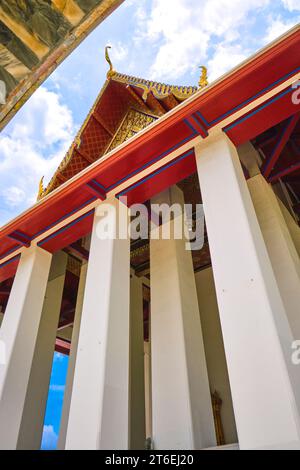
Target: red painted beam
280	144
95	189
285	172
78	251
9	268
62	346
20	237
65	324
195	122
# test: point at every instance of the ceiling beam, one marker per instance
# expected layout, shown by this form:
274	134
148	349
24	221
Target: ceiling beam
20	237
62	346
285	172
78	251
271	161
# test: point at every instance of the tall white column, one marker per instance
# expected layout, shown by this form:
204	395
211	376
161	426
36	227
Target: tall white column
98	417
31	430
148	388
280	246
19	333
72	360
181	405
137	434
257	338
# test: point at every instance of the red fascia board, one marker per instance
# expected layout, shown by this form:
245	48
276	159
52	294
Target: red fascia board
276	109
161	179
231	84
9	268
68	234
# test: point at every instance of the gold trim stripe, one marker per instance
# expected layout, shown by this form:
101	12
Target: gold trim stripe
28	39
71	11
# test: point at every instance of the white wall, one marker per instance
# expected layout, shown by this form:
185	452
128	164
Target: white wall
293	227
214	349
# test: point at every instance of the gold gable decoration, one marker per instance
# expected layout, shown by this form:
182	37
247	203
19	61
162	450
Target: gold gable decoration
159	90
133	122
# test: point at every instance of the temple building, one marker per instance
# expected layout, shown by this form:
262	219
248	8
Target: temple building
169	348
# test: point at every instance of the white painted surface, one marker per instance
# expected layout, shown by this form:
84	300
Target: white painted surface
214	349
19	333
257	337
99	405
148	388
293	227
137	427
181	405
31	430
72	360
280	246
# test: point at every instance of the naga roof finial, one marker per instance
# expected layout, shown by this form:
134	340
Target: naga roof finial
203	82
111	71
41	189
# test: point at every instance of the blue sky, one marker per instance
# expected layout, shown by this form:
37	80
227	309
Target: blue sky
164	40
55	401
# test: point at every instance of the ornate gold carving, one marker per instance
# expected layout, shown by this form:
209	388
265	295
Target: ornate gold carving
141	250
159	90
216	405
111	71
41	189
74	265
133	122
203	82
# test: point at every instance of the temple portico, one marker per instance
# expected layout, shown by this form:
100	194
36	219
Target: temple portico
169	347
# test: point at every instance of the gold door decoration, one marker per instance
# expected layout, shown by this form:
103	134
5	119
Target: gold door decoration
216	405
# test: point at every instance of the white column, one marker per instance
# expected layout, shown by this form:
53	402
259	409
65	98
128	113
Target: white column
257	337
72	360
148	388
280	246
19	333
181	405
98	416
137	434
31	430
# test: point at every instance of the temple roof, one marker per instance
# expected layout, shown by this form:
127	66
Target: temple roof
160	90
124	106
35	37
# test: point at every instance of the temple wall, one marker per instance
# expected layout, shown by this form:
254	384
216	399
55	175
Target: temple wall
294	229
214	350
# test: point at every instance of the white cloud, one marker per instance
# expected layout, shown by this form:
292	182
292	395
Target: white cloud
184	30
49	440
119	51
57	388
31	146
58	357
224	59
277	26
291	5
13	196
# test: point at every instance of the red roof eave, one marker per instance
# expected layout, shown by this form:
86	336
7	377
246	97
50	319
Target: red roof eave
209	107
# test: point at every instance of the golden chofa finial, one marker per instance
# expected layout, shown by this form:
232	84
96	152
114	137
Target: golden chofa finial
111	71
203	82
41	189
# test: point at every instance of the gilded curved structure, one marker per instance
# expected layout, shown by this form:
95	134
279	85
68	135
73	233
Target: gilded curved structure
35	37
